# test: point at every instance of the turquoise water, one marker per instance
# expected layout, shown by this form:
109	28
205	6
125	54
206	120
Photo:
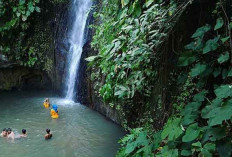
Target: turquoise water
79	132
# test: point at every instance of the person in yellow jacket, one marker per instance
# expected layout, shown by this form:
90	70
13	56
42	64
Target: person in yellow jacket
46	103
54	112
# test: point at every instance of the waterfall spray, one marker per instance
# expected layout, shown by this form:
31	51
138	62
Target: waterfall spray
76	39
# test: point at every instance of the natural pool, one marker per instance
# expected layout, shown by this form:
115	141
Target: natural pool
79	132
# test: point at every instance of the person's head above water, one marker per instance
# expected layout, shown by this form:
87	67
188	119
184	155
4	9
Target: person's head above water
48	135
48	131
55	107
9	130
24	131
4	132
46	100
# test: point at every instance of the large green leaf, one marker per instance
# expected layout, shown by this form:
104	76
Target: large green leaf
211	45
200	32
190	118
191	133
217	133
166	152
196	45
219	114
213	133
190	107
208	149
200	96
190	112
172	129
205	111
219	24
183	61
224	57
223	91
196	147
198	69
186	59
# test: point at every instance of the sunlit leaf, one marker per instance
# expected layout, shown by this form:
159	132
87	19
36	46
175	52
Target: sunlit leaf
91	58
149	2
124	2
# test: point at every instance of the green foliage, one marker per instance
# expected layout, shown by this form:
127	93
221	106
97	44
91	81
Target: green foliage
206	134
13	25
20	11
219	24
25	38
172	129
192	133
139	143
198	69
224	57
125	40
128	39
211	45
167	152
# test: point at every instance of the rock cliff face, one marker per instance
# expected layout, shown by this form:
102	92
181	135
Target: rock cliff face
15	77
60	25
85	87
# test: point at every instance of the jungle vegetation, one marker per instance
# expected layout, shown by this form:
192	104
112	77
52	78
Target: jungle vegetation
165	65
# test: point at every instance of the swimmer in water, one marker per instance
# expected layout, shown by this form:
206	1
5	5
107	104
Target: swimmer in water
24	133
46	103
10	133
48	135
54	111
4	133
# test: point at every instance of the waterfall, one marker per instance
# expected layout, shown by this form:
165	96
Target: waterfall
76	39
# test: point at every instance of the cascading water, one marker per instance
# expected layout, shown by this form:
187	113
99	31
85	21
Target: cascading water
76	39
